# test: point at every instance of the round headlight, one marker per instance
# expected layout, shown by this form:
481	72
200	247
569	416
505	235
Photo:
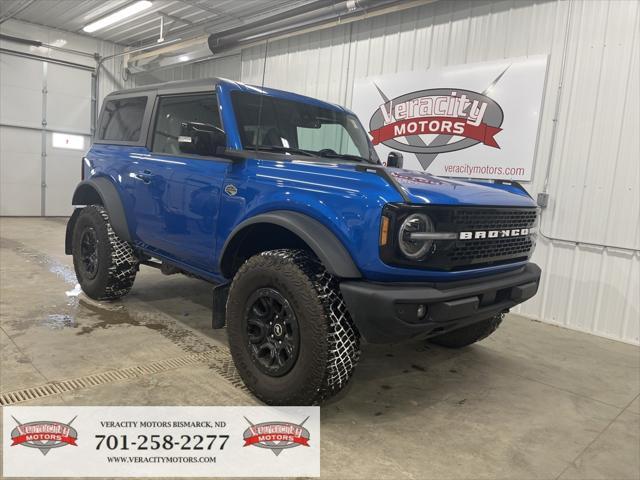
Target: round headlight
415	223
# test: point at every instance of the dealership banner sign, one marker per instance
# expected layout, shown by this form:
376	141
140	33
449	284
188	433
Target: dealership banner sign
472	121
161	442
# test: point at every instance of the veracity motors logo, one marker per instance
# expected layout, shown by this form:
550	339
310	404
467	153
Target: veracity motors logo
472	116
453	119
44	435
276	436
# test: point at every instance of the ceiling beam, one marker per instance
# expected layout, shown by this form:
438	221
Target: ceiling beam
20	8
205	8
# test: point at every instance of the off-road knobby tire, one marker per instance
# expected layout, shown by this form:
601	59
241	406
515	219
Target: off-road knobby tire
470	334
329	341
117	264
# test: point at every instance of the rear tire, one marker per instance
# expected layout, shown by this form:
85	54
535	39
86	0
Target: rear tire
105	264
313	353
470	334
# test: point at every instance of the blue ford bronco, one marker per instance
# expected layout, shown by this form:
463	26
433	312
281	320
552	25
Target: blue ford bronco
310	241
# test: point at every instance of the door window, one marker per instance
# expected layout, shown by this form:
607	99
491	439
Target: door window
122	119
175	113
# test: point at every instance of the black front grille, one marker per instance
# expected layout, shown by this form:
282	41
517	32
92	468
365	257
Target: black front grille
474	251
461	254
493	218
465	254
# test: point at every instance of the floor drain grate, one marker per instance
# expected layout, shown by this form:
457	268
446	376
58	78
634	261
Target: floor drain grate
217	359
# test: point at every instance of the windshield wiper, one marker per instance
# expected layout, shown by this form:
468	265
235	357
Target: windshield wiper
276	148
346	156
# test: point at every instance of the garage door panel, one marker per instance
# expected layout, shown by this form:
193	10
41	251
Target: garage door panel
68	99
62	176
20	106
67	81
20	165
17	140
21	72
67	110
21	92
21	199
68	113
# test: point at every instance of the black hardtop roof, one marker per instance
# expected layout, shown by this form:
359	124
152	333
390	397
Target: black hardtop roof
187	85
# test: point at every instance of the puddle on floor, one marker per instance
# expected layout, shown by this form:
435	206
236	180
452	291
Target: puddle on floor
109	318
59	269
57	321
87	315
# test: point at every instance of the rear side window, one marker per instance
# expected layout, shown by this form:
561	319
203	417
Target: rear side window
175	113
122	119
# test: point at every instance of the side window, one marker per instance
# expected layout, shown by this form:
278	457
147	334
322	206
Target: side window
328	135
174	115
121	120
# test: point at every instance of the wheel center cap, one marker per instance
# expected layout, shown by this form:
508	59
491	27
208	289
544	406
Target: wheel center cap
278	330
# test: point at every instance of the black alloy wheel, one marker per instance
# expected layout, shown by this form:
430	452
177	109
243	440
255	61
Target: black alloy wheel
272	332
105	265
89	252
290	334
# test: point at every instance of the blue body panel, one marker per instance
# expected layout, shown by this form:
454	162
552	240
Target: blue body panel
181	214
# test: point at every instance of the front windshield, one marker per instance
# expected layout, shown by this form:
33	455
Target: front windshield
296	127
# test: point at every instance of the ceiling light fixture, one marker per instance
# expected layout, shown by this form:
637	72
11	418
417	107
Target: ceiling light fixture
118	16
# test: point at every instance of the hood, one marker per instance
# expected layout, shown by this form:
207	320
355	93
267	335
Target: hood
425	188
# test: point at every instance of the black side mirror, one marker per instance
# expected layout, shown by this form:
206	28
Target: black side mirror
394	160
202	139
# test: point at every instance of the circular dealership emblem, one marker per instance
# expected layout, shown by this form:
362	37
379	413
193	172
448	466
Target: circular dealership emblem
44	435
276	436
469	117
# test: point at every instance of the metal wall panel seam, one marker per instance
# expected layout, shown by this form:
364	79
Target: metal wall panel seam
634	41
572	286
546	272
556	111
25	127
597	100
597	310
43	154
565	104
627	307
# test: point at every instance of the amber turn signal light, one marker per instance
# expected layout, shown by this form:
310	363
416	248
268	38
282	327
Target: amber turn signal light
384	231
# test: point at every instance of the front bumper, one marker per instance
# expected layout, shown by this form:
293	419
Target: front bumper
388	312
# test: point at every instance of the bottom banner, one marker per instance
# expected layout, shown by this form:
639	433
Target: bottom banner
161	441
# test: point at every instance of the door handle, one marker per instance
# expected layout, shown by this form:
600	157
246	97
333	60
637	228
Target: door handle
145	176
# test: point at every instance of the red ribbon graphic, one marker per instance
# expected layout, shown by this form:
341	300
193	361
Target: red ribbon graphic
436	125
42	436
275	437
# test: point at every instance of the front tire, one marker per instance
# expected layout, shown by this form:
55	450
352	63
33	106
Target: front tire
290	335
470	334
105	264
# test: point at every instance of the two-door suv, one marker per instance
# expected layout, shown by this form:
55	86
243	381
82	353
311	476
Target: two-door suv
281	202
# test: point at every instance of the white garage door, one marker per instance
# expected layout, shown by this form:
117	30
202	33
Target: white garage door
21	82
40	101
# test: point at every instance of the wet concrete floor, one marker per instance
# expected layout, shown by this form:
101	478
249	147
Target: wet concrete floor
532	401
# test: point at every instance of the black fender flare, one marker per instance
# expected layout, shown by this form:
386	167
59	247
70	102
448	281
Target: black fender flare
326	246
98	191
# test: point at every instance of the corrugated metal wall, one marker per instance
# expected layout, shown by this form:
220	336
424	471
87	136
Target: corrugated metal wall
594	171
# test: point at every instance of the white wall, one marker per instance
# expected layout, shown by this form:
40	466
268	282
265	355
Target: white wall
595	166
66	107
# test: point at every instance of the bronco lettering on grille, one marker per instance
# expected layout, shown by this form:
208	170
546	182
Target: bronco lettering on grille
481	234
